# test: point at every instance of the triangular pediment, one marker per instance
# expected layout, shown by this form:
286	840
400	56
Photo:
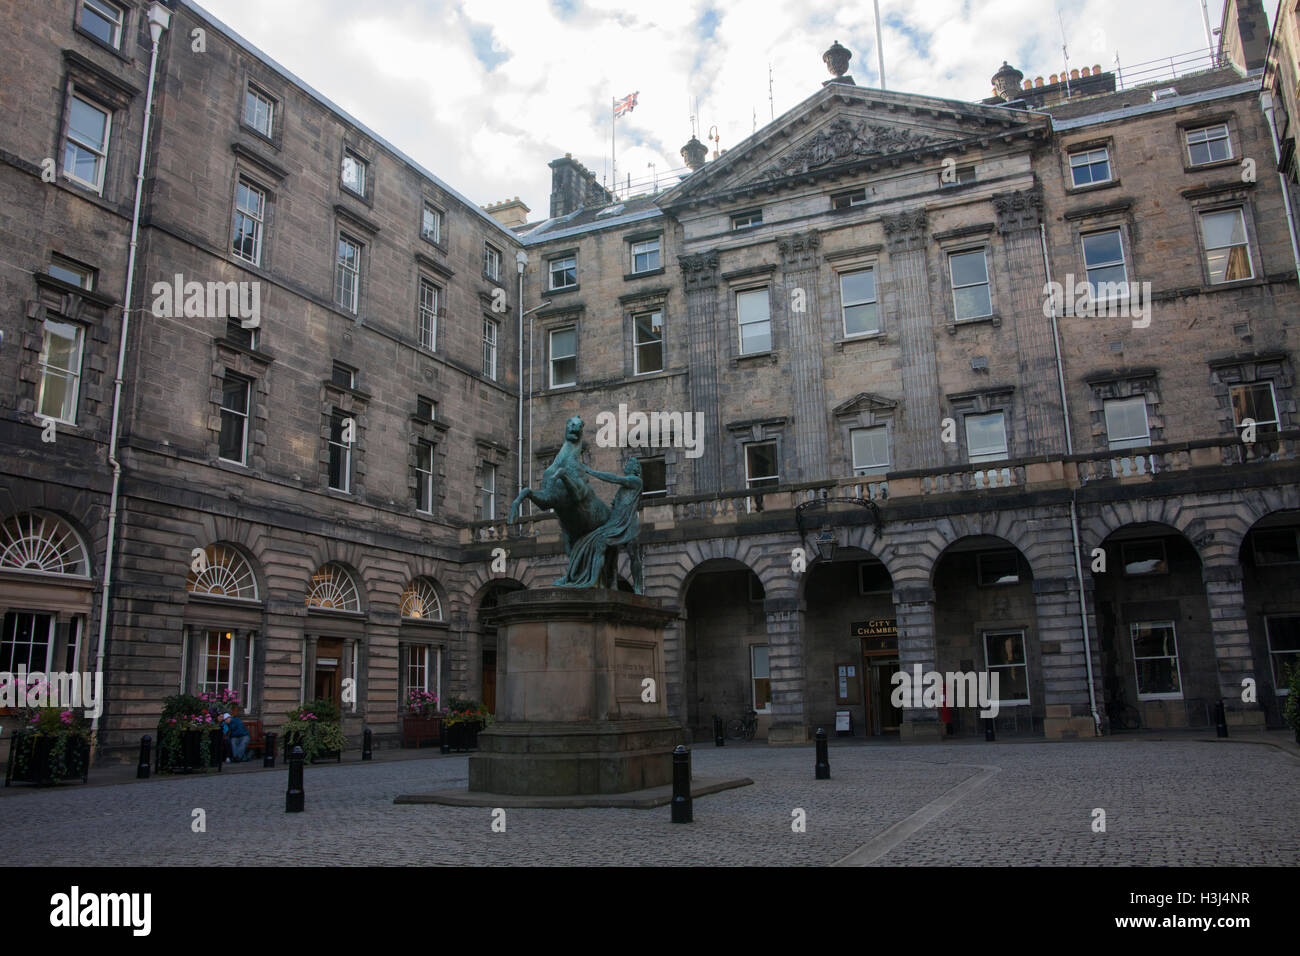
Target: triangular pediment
842	128
864	402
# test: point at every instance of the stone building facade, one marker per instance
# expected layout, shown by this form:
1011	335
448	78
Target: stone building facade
908	452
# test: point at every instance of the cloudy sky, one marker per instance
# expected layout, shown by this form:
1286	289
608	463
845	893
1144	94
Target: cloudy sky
486	92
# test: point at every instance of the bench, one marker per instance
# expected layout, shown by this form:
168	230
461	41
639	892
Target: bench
256	740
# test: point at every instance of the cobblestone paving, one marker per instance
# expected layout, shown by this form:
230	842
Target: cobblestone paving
1169	802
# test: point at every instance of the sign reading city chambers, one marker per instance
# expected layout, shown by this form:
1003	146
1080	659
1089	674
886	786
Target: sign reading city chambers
880	634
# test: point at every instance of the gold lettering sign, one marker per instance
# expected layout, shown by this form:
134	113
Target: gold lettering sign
880	627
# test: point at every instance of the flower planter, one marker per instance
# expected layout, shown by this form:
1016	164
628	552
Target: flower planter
293	740
31	760
416	731
461	736
191	751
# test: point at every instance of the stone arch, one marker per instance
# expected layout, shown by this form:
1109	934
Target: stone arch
758	556
227	562
326	579
1108	517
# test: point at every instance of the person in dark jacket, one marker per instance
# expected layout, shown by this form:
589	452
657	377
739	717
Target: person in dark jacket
236	737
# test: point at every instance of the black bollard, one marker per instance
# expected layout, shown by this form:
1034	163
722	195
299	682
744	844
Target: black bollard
365	745
294	797
216	748
142	771
988	729
681	785
444	744
268	749
1220	720
823	768
719	740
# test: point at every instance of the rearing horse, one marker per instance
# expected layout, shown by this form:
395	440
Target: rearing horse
566	490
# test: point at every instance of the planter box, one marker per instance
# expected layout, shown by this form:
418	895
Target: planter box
416	731
461	737
35	752
292	741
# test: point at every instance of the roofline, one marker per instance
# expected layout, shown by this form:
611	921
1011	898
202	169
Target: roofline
329	104
1157	106
530	240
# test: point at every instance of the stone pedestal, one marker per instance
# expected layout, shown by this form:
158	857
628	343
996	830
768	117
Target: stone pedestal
571	718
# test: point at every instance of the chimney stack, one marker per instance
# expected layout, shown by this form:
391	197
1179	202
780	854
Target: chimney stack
573	185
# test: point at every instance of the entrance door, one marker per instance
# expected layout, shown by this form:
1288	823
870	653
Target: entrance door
490	681
885	718
329	660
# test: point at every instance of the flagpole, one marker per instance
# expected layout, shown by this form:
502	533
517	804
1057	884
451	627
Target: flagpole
613	163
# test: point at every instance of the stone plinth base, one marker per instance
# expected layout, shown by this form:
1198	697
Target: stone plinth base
1068	728
921	731
632	800
1245	719
580	696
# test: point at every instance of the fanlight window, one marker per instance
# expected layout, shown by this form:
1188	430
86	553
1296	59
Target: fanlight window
225	573
420	601
39	542
332	589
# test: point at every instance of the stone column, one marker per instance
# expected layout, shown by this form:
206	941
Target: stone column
674	676
916	441
308	668
700	281
1018	215
1067	708
914	609
1228	624
785	624
800	261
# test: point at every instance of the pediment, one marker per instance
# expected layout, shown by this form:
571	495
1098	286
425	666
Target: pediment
864	402
847	127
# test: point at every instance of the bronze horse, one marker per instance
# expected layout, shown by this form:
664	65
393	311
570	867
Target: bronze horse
565	490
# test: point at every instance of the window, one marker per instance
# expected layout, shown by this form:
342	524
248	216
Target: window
235	332
85	153
986	437
492	262
645	255
1283	650
648	344
417	667
431	224
428	315
854	197
760	678
424	477
1103	256
217	648
1126	422
1209	144
873	578
65	270
564	357
426	408
490	349
761	466
970	284
32	541
1090	167
420	601
233	442
1256	402
27	642
259	110
870	450
226	574
957	177
102	20
1004	656
564	272
994	568
755	321
354	173
347	275
1144	557
1227	248
332	589
745	220
654	477
343	375
858	303
489	492
1277	546
1155	660
340	464
250	213
60	365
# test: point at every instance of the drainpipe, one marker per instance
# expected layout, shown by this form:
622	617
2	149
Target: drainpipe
159	20
1266	103
1074	512
521	261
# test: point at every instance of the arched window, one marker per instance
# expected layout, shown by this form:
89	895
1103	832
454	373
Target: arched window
226	573
332	589
420	601
41	542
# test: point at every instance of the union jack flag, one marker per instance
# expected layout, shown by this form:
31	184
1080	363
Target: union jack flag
627	104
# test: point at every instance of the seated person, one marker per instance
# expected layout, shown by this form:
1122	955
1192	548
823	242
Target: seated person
236	737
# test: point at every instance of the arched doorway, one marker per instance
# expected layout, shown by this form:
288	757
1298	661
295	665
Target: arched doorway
334	637
421	641
223	619
726	647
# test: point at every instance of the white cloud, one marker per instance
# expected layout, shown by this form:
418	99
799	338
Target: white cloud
409	69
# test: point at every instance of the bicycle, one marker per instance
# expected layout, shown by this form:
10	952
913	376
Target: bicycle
738	729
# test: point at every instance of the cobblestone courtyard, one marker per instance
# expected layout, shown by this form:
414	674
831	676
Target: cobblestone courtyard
1171	802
